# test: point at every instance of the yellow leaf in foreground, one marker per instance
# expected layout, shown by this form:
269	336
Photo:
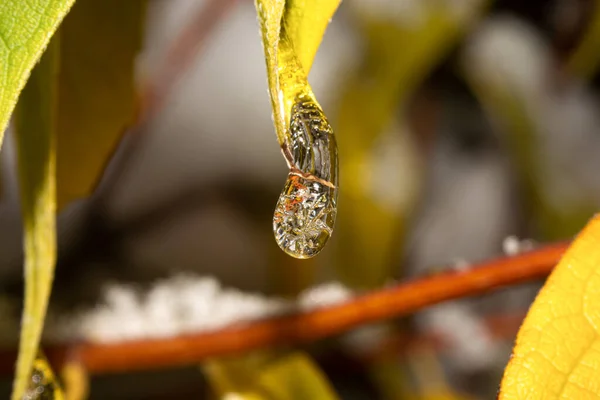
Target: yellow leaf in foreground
265	376
34	124
97	94
76	380
79	114
557	352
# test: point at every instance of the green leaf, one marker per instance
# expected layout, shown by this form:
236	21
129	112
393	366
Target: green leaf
97	92
262	376
25	29
513	109
76	118
399	56
35	119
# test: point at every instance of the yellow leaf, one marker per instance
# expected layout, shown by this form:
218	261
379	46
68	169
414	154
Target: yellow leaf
97	93
263	376
296	377
553	221
305	213
34	124
25	30
76	380
557	352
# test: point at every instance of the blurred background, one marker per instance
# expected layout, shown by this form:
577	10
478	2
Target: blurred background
465	128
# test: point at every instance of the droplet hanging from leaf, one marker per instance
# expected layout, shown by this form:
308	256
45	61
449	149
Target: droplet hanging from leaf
305	213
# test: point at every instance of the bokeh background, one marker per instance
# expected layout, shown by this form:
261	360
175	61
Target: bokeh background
466	128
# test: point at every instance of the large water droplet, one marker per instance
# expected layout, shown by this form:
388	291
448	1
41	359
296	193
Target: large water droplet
304	216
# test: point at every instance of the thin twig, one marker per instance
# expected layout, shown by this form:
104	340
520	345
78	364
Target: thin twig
401	300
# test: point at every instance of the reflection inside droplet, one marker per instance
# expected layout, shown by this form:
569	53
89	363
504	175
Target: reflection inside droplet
304	216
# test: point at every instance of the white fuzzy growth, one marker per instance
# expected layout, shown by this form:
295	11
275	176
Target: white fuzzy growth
324	295
460	264
179	305
512	245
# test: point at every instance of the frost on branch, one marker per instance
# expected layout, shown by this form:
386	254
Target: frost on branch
178	305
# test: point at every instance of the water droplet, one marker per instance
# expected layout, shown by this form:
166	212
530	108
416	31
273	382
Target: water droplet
305	213
311	142
304	216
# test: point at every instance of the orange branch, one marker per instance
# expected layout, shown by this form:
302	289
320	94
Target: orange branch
403	299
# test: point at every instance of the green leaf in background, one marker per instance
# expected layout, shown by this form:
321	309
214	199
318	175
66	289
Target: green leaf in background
35	122
97	93
25	29
514	108
263	376
399	57
552	222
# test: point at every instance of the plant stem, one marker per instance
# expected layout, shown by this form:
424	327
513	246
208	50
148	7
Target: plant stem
401	300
